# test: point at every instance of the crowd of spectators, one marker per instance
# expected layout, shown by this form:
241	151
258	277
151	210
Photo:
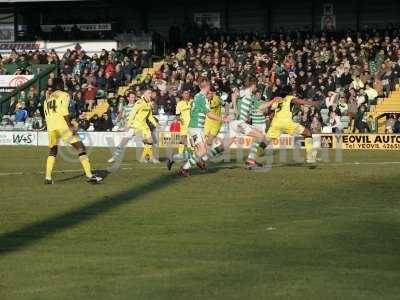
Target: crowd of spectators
346	72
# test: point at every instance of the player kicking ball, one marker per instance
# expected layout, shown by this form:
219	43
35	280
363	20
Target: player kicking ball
282	122
59	126
241	126
212	127
199	111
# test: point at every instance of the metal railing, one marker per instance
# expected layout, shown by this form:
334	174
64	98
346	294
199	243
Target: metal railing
39	81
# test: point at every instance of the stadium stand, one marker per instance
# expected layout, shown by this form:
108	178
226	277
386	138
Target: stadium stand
346	73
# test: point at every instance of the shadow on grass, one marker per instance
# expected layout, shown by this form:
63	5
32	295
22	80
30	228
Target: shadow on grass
34	232
101	173
70	178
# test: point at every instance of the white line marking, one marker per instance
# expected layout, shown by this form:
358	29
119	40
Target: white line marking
225	166
11	173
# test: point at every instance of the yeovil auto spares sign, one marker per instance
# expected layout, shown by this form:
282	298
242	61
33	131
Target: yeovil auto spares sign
361	141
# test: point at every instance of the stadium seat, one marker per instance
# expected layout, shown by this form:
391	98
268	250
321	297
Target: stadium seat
101	108
325	115
345	121
19	126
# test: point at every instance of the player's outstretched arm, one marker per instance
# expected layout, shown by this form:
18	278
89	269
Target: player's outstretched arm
265	106
305	102
214	117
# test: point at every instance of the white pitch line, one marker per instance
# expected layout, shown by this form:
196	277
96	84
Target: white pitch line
370	163
11	173
226	166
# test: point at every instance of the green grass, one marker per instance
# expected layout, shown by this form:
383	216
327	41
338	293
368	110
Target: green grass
291	233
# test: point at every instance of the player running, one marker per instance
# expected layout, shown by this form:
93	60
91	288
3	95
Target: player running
125	110
212	127
258	119
282	121
246	105
59	126
199	111
183	112
138	125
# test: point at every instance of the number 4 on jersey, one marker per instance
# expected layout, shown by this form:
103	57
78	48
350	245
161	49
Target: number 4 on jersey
51	105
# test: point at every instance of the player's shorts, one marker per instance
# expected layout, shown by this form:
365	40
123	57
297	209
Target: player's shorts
66	134
212	129
260	127
196	136
184	130
284	126
238	127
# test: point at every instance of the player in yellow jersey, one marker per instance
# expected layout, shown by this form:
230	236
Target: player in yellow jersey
212	127
138	125
183	112
59	127
282	121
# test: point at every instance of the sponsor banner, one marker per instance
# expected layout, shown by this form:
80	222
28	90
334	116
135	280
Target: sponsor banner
361	141
7	30
168	139
82	27
130	40
7	33
91	47
172	139
21	46
328	23
18	138
112	139
13	81
212	19
94	139
284	142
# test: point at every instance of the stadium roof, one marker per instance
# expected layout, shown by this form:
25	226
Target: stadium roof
30	1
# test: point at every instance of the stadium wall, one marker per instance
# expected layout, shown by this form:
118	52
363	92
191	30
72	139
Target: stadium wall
238	16
261	16
168	139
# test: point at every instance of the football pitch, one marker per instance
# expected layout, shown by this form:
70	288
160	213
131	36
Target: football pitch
332	232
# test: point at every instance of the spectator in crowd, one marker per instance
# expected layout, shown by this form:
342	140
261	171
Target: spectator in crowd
389	126
107	122
31	107
371	124
21	114
345	71
83	123
316	125
13	105
334	122
96	122
37	121
371	93
343	106
396	127
89	95
361	123
102	123
175	126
